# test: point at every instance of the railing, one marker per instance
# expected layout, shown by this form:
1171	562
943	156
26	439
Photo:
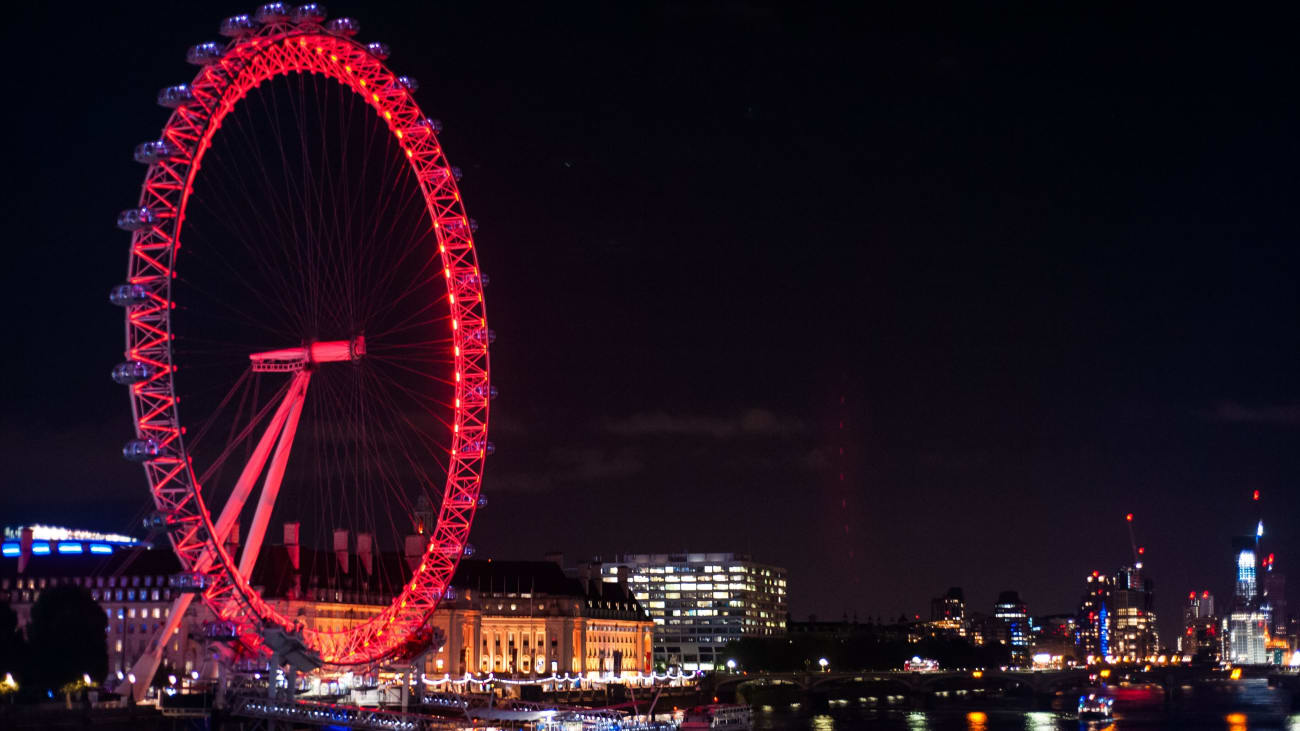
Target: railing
329	714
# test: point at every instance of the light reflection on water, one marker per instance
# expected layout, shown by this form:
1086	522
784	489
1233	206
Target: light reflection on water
1008	720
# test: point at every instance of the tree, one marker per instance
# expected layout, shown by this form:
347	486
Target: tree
66	637
11	643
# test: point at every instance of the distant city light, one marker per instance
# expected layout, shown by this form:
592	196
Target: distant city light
57	533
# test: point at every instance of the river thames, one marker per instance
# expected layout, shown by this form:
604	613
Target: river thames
1239	706
1005	720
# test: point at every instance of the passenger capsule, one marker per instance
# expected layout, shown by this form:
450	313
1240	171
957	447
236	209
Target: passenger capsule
473	225
205	53
346	27
472	279
141	450
468	550
175	96
379	50
449	594
237	26
482	500
456	172
126	295
133	371
488	336
271	13
148	153
134	219
309	13
409	82
481	391
434	124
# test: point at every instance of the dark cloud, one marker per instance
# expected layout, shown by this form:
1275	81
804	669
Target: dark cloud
1232	412
750	422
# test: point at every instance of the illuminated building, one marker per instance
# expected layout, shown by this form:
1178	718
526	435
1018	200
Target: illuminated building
507	617
701	601
1132	632
1054	636
131	586
1200	637
504	617
1274	598
1245	631
1013	618
948	613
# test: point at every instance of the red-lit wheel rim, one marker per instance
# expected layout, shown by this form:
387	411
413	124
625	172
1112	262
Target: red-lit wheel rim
278	50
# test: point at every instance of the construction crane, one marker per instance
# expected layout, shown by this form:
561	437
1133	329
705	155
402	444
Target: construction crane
1138	551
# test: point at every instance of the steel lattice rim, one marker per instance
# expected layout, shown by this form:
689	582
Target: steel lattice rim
281	49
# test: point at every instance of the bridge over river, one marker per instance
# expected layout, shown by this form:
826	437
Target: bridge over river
1041	684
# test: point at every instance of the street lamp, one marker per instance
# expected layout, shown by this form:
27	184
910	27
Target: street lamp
824	663
731	665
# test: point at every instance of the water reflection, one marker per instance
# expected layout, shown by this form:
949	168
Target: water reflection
977	721
1040	721
822	722
916	722
1236	721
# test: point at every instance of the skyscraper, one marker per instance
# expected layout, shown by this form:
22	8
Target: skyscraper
1200	637
1132	616
948	612
1013	616
1246	628
1092	624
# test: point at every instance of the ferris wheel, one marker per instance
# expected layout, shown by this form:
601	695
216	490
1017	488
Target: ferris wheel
304	312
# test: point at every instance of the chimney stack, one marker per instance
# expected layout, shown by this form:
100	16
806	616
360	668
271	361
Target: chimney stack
365	551
24	548
414	550
623	574
341	540
291	544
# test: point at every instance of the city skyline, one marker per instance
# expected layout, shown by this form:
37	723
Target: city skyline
1040	282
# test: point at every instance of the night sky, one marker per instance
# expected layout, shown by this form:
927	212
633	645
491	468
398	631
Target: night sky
1042	269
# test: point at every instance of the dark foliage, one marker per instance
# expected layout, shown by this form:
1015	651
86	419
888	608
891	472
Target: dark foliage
867	648
66	638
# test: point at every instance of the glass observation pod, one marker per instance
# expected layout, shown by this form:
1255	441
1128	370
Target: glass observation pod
237	26
481	391
482	500
468	550
346	27
308	13
142	450
379	50
188	582
134	219
488	336
271	13
471	279
175	96
132	371
479	447
409	82
127	295
204	53
148	153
